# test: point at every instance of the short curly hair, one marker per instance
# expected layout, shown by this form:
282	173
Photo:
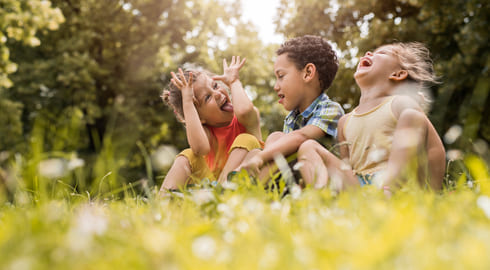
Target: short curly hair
315	50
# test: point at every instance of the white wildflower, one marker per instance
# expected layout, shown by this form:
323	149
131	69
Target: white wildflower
202	196
225	210
229	237
480	146
204	247
454	154
88	222
452	134
253	206
91	220
52	168
484	203
275	206
75	162
242	226
229	185
298	165
163	157
295	191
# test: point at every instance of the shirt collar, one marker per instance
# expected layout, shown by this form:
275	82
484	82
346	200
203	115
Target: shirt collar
306	113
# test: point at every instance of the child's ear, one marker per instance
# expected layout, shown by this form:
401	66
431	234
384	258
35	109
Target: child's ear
309	71
399	75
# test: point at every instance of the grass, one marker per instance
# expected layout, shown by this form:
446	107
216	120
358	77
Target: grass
241	226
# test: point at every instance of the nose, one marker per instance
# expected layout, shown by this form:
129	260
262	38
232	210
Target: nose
217	95
368	53
276	86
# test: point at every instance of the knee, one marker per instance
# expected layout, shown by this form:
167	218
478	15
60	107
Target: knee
308	147
245	141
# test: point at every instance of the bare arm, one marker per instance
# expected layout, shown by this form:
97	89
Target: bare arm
243	107
344	149
408	139
285	145
436	155
197	136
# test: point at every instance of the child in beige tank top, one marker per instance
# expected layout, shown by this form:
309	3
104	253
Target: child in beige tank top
387	134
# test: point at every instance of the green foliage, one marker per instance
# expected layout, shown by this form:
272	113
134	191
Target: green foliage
10	124
20	21
455	31
109	61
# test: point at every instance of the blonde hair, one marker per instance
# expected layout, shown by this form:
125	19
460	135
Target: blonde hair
172	96
415	58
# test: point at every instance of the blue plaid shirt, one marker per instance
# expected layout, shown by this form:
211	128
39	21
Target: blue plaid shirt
322	112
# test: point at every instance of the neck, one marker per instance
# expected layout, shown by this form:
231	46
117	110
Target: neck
376	91
309	97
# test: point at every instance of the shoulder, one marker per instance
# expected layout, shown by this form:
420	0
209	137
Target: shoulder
401	103
342	122
326	106
344	118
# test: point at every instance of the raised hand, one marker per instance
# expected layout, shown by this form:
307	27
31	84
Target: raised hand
184	85
230	73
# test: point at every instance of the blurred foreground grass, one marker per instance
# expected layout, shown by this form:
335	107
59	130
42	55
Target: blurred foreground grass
242	226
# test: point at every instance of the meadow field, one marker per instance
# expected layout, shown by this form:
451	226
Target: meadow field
242	226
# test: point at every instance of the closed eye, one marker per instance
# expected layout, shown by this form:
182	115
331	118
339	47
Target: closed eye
206	98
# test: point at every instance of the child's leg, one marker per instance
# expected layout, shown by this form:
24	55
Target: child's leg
187	167
271	167
242	145
318	165
177	175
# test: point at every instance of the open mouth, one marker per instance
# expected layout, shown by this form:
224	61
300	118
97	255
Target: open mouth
365	62
226	106
281	98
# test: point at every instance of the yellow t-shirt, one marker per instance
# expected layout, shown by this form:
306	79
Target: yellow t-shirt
369	137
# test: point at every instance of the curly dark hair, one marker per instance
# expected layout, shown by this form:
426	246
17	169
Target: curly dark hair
315	50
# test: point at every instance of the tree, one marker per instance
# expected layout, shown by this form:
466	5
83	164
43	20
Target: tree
455	31
106	66
19	23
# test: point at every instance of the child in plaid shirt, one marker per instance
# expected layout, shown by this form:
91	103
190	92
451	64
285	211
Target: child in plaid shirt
305	68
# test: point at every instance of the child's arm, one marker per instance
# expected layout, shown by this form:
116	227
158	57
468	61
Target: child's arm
414	133
344	149
286	145
436	155
246	113
196	134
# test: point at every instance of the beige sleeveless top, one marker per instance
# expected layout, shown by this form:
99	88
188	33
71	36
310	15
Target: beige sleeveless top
369	136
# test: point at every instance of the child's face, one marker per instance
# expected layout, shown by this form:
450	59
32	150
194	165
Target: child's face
213	102
289	84
377	65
